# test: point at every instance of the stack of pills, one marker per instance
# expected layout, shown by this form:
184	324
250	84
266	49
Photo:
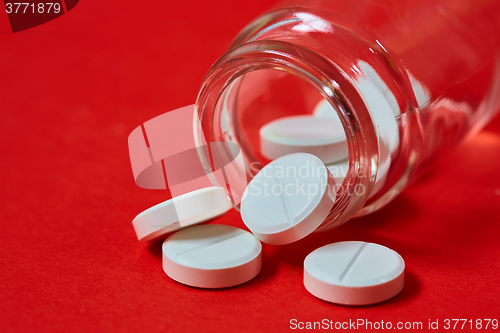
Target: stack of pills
287	200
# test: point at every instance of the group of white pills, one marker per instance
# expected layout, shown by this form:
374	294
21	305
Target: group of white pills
278	207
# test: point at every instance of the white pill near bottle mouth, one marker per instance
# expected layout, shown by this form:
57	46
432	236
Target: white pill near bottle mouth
354	273
288	199
191	208
212	256
323	137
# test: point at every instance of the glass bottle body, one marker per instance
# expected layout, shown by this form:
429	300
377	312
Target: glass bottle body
407	79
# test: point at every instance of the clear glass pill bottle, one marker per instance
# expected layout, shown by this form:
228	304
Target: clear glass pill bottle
408	80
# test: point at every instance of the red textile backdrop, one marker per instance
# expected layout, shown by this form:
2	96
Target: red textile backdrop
71	91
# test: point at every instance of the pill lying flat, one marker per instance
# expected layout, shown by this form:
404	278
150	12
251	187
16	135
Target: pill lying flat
354	273
288	199
174	214
212	256
323	137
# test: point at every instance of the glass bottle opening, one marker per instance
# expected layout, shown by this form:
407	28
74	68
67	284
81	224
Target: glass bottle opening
253	85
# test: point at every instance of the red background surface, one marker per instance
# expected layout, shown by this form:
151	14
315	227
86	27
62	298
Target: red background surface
72	90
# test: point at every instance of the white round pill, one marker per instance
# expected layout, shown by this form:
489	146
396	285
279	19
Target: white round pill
179	212
212	256
323	137
288	199
354	273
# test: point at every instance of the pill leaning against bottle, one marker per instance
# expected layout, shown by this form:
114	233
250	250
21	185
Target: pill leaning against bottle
174	214
354	273
212	256
323	137
288	199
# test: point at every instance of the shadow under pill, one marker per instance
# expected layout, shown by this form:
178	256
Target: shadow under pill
390	217
154	249
295	253
269	264
410	290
